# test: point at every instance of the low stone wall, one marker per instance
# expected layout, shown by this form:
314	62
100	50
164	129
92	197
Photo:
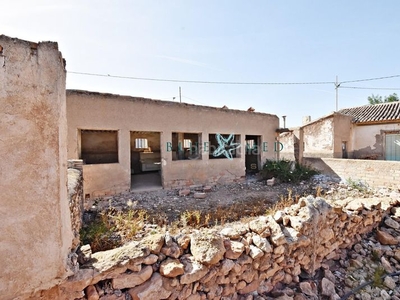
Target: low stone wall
376	173
75	198
226	263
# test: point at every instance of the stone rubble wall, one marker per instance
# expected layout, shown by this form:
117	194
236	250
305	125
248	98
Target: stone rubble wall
231	262
75	198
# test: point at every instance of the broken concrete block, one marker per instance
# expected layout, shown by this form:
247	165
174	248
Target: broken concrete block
271	181
200	195
196	187
184	192
207	188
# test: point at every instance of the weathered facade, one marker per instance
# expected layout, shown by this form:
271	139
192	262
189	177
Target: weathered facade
119	136
36	236
366	132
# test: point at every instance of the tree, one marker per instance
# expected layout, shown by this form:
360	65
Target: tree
376	99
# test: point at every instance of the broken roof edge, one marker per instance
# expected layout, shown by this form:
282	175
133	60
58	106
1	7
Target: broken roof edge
332	114
163	102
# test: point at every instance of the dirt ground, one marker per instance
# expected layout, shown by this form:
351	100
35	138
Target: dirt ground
229	202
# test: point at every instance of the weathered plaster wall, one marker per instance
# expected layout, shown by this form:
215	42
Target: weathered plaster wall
35	236
369	140
343	132
375	173
291	143
86	110
318	138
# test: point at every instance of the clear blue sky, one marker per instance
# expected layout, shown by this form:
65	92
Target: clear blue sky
221	40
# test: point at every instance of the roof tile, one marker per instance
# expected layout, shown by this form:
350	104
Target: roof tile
374	113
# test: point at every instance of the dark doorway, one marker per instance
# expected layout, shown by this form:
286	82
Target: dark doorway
253	153
145	160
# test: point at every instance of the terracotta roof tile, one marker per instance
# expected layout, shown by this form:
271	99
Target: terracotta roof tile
374	113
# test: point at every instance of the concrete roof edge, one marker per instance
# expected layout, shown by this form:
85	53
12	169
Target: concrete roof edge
132	98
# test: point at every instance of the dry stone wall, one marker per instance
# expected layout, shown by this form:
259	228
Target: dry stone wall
75	196
229	262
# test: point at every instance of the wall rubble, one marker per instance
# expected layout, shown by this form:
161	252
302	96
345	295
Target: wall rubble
75	197
236	260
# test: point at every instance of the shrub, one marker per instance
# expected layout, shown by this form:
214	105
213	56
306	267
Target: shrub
286	170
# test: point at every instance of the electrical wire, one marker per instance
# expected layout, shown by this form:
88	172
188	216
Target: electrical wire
338	85
367	88
202	81
371	79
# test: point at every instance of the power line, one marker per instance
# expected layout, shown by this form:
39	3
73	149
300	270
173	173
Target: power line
202	81
371	79
367	88
338	84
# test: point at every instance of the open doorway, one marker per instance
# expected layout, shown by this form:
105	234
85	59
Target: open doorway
253	154
145	161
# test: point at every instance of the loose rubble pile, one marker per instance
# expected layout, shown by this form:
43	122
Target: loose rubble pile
315	249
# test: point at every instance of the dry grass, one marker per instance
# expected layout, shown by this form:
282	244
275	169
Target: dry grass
113	228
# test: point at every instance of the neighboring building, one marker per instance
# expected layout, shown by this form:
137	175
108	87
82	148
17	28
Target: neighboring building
119	137
376	131
365	132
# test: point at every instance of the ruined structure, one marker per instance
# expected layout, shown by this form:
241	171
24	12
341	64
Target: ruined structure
35	237
364	132
119	136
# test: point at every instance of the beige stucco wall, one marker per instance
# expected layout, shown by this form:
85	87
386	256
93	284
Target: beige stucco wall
318	138
86	110
291	143
35	224
343	132
369	140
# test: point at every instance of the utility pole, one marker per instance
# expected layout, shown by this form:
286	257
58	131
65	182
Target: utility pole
337	85
180	95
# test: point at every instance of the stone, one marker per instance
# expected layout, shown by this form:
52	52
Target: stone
151	289
154	242
251	287
84	254
168	239
389	282
183	241
258	225
151	259
365	296
385	295
308	288
207	247
233	249
172	251
386	265
91	293
327	287
385	238
262	243
255	252
234	232
226	266
207	188
277	236
392	223
199	195
171	268
184	192
106	261
193	270
271	181
126	280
